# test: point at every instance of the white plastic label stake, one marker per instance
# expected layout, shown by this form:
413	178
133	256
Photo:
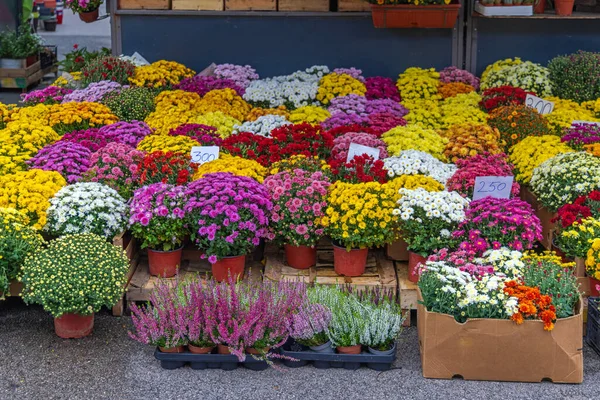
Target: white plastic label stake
204	154
498	187
137	56
541	105
359	150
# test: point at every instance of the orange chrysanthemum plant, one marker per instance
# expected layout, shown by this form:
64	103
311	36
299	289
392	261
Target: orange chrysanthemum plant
531	304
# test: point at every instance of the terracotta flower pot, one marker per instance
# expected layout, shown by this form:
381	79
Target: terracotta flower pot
164	263
88	17
593	291
233	266
349	263
177	349
73	326
200	350
300	257
414	260
564	7
223	349
412	16
349	349
539	6
256	352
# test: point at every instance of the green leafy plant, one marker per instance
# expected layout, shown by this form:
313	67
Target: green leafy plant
21	44
131	104
76	59
576	76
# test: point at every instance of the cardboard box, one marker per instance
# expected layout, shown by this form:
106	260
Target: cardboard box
580	267
499	349
397	250
542	213
584	285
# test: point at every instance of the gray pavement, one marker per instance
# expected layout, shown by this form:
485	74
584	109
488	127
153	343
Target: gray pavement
108	365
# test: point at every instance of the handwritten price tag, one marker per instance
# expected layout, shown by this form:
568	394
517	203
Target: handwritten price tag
493	186
584	123
204	154
541	105
359	150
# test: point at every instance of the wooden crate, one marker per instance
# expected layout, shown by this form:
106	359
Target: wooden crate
144	4
251	5
304	5
23	72
202	5
353	5
407	291
129	244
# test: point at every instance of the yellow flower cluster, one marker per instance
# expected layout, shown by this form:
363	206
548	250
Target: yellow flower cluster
5	111
223	122
310	114
425	113
258	112
226	101
178	100
13	216
413	137
565	112
161	73
20	141
30	192
176	144
418	83
74	116
413	182
236	165
531	152
360	215
547	255
453	88
164	120
497	66
300	161
338	85
592	262
61	81
467	140
462	109
39	113
593	106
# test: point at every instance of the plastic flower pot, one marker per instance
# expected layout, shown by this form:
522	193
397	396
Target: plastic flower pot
300	257
564	7
384	352
200	350
414	260
73	326
164	263
349	349
223	349
233	266
177	349
593	291
256	352
539	6
323	348
88	17
411	16
349	263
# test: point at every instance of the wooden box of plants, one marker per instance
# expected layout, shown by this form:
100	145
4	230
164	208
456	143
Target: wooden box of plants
144	4
200	5
304	5
20	78
353	6
251	5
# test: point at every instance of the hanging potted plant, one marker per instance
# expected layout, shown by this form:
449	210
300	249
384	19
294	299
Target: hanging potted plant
157	219
73	278
414	13
88	10
427	220
227	215
298	204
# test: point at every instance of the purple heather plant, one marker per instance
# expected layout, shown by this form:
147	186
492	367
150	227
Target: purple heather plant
203	134
379	87
130	133
89	138
310	324
204	84
578	135
95	92
242	75
48	95
71	160
453	74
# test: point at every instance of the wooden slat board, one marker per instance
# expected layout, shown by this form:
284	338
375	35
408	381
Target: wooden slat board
407	291
144	4
304	5
201	5
20	72
251	5
353	5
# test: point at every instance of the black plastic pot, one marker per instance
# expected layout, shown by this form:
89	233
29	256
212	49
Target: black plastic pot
226	362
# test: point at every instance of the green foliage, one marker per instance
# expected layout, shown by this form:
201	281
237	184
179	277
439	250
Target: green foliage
79	56
21	44
576	76
131	104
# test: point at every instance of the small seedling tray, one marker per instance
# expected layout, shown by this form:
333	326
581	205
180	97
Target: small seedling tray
306	356
225	362
592	336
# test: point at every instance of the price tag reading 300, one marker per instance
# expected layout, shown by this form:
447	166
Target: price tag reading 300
204	154
498	187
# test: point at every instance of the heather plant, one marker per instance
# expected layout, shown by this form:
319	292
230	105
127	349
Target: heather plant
310	325
383	326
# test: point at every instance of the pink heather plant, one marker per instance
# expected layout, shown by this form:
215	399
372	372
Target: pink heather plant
494	223
299	201
353	72
341	144
242	75
383	122
309	326
386	106
204	84
48	95
69	159
95	92
453	74
89	138
379	87
115	166
463	180
130	133
205	135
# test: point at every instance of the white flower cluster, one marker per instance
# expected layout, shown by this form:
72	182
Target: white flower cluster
414	162
262	125
526	75
87	207
447	206
505	261
296	90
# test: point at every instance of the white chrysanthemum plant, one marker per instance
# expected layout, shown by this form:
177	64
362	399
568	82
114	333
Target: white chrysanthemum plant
262	126
87	207
414	162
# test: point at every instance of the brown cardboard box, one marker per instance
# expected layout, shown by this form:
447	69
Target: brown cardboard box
397	250
500	350
579	267
584	285
542	213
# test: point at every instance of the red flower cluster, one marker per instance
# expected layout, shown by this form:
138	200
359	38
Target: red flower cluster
361	168
169	167
305	139
340	130
107	69
250	146
532	304
583	207
502	96
203	134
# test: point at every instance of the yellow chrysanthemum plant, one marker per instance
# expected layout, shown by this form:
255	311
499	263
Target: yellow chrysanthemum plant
419	84
592	264
300	161
160	74
576	240
69	117
226	101
414	137
20	141
164	143
310	114
223	122
337	85
532	151
235	165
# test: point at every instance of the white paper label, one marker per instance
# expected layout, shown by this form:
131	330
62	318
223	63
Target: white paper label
359	150
204	154
498	187
585	123
138	57
541	105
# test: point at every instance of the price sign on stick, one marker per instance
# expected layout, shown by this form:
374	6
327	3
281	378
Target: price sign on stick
498	187
359	150
204	154
541	105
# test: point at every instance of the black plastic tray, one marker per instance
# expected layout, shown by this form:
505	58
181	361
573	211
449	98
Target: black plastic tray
334	360
592	336
205	361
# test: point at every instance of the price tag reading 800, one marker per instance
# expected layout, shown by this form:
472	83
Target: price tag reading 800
541	105
204	154
498	187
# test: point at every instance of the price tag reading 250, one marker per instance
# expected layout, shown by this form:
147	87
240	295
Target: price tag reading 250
498	187
204	154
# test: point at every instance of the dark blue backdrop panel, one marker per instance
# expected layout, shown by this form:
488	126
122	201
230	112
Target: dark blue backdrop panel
538	40
281	45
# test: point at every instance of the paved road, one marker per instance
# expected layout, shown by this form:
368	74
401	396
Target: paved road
108	365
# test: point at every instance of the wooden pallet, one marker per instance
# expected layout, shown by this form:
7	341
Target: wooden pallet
353	5
304	5
251	5
203	5
407	291
24	72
